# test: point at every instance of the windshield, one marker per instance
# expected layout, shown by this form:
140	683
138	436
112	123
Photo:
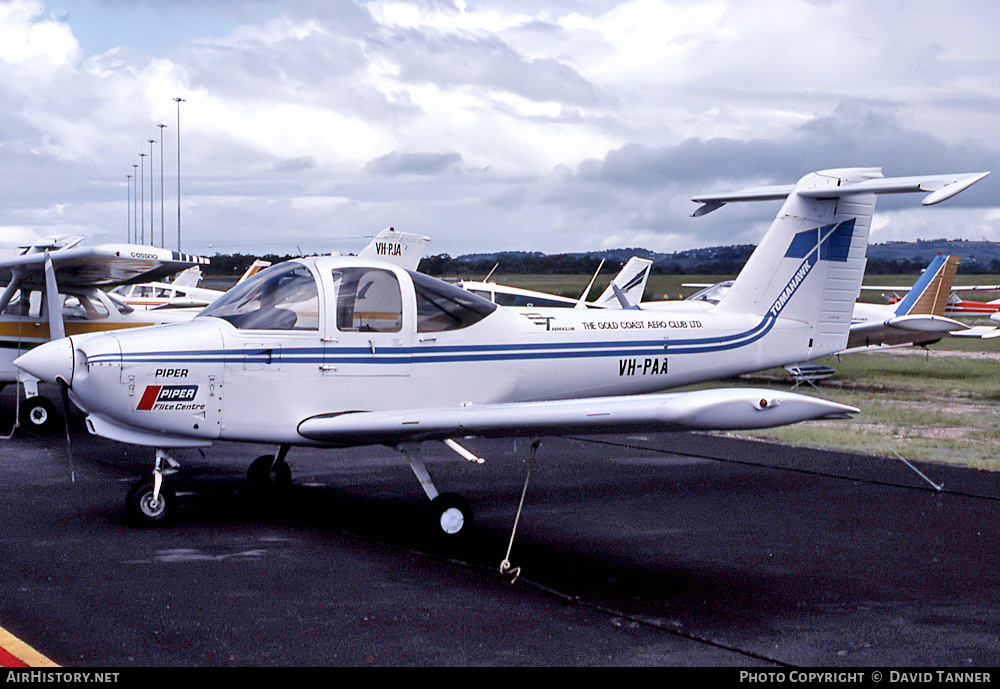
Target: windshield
284	297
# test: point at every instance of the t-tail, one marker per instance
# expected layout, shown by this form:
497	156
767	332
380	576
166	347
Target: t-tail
811	262
400	248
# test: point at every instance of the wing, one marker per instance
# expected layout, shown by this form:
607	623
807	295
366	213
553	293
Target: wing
721	409
105	265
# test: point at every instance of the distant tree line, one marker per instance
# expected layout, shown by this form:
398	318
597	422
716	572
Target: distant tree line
722	260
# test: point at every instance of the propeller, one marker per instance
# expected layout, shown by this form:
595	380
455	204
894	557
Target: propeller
64	389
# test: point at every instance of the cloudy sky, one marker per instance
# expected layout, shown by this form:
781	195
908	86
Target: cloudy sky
550	125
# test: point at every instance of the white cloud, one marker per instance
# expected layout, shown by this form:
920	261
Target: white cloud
558	125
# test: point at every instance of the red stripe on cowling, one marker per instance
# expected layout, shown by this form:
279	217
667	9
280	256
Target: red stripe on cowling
148	397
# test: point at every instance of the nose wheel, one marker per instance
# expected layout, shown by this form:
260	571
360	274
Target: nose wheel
152	501
148	507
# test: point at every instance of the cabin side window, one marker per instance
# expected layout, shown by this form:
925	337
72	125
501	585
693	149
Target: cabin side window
441	306
368	300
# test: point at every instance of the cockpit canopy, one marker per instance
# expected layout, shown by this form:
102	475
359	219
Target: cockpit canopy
284	297
364	299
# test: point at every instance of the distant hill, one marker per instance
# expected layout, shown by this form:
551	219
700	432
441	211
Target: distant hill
978	257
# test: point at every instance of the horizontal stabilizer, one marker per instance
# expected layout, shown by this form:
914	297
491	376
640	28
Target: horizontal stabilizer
925	323
941	187
722	409
982	332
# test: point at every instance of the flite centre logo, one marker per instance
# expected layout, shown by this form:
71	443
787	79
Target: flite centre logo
168	397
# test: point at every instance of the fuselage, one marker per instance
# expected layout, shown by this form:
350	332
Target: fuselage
328	335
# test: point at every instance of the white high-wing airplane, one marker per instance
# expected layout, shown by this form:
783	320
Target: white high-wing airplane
337	351
624	291
56	289
181	293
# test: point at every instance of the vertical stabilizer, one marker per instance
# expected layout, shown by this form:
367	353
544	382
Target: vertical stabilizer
929	294
810	263
400	248
631	284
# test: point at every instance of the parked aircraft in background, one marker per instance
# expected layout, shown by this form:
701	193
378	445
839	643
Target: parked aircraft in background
337	351
917	318
180	293
57	289
625	290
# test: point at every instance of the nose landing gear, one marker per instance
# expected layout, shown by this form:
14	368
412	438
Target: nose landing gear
150	501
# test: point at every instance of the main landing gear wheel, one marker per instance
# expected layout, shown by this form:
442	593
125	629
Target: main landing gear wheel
144	510
451	516
38	414
268	475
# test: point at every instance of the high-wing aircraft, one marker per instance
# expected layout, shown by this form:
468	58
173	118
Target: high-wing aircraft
624	291
342	351
183	292
56	289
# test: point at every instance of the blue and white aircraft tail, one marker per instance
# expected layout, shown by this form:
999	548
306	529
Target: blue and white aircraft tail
811	262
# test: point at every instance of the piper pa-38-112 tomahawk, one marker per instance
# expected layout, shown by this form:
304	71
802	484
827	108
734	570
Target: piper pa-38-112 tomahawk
343	351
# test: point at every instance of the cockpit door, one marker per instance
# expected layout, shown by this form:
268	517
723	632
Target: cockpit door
367	335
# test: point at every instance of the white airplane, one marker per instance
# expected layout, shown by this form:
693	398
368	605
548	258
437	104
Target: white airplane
182	292
56	289
337	351
624	291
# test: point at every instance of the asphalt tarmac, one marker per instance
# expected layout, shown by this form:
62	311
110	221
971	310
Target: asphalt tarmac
656	550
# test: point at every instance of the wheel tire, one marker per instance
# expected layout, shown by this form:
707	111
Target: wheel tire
141	508
39	415
265	476
451	517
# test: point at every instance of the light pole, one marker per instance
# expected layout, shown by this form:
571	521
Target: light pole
152	233
142	203
135	217
163	242
178	101
128	212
